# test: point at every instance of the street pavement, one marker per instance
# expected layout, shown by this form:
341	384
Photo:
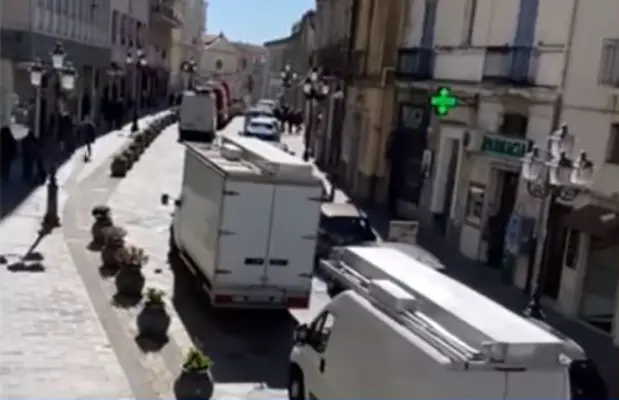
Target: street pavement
51	340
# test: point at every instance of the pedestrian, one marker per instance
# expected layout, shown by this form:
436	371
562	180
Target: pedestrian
299	118
87	132
8	151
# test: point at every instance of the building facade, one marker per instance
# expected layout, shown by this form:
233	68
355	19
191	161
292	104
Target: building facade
30	29
369	120
334	43
520	69
165	23
252	66
221	60
129	25
275	63
299	54
192	28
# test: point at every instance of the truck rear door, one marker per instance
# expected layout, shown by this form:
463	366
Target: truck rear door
292	241
244	233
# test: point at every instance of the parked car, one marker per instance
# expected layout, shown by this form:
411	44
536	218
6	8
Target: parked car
264	128
343	224
267	103
255	112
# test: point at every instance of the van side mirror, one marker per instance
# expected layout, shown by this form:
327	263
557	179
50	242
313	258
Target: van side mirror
301	334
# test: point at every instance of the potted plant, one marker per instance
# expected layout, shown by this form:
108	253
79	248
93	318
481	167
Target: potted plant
135	149
113	251
120	166
103	221
129	279
195	380
154	320
130	156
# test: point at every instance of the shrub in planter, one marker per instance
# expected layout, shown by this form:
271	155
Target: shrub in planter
135	148
131	155
130	281
113	252
120	165
154	320
103	220
195	380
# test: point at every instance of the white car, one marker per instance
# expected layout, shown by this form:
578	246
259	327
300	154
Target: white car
264	128
269	103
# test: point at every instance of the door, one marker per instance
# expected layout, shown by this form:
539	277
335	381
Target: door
314	363
294	226
450	184
244	233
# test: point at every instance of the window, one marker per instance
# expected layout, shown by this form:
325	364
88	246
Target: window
475	204
131	31
139	34
114	27
609	63
514	125
572	243
612	157
123	30
320	331
469	21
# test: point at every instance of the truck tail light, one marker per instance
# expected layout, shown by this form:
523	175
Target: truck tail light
223	299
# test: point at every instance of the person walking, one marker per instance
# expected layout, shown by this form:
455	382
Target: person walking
87	132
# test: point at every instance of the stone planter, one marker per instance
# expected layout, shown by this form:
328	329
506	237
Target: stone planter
129	156
136	149
120	165
154	321
98	229
130	281
194	385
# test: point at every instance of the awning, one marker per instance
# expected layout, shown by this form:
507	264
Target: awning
593	220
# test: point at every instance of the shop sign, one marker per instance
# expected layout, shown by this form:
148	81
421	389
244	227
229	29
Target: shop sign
504	146
403	231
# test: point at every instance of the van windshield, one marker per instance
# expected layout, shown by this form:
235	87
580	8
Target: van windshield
348	230
261	125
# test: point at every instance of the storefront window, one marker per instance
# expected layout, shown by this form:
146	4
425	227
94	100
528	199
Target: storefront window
475	204
600	287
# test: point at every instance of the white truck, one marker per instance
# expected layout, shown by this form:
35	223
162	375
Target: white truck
197	119
247	221
416	333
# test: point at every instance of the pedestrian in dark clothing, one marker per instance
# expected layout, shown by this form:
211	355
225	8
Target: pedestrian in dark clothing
8	151
87	132
299	120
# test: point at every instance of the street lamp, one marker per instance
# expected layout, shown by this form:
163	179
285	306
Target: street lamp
315	90
66	76
288	76
189	68
138	61
550	174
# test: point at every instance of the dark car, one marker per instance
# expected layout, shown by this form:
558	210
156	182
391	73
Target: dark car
343	224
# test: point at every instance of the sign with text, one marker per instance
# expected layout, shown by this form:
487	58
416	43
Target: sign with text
403	231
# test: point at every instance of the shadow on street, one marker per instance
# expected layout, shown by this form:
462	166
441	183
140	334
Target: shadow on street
247	346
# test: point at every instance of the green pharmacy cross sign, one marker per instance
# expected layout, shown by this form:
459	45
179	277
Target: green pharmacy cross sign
443	101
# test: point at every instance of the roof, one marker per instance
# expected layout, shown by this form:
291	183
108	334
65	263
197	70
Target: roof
463	312
340	210
593	220
209	39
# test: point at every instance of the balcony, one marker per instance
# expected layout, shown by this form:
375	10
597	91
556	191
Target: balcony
509	65
609	63
163	11
415	63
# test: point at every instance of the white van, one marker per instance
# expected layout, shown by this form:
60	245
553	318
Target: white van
422	336
198	115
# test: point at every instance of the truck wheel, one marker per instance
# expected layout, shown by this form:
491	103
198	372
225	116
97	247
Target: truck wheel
296	385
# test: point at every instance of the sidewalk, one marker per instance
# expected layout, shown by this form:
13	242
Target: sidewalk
51	340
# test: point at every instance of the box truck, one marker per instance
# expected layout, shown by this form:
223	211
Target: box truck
246	222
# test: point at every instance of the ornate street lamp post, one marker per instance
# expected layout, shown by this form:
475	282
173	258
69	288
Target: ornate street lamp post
65	81
315	90
138	61
189	68
550	174
287	77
